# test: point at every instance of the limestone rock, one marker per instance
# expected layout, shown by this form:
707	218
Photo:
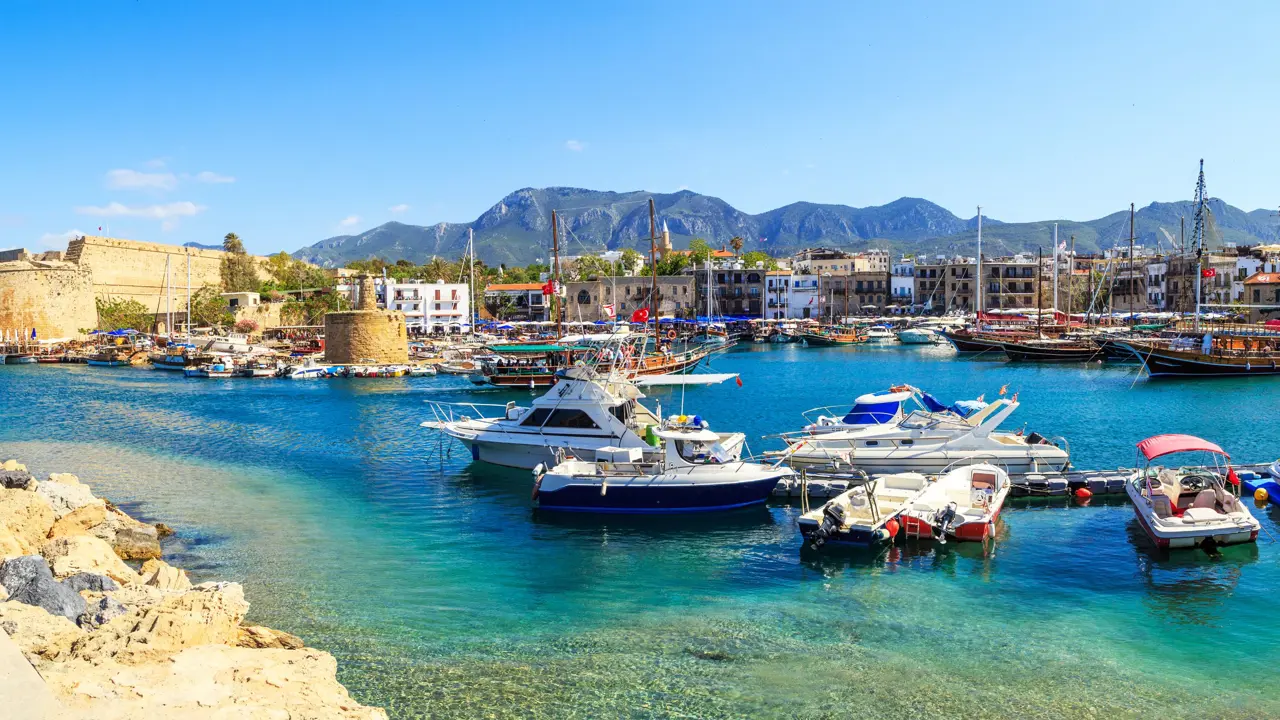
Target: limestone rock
163	530
161	574
210	614
11	465
78	521
4	593
10	545
101	611
89	581
208	682
17	480
258	636
86	553
64	498
27	517
115	522
36	632
137	543
64	478
29	581
139	597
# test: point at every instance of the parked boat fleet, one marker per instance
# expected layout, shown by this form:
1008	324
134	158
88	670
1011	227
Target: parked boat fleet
905	464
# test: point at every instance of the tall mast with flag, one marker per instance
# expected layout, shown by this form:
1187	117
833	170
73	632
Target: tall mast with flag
653	266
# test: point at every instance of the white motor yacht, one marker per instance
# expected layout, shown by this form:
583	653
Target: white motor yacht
1189	506
877	408
919	336
695	472
583	412
931	441
881	334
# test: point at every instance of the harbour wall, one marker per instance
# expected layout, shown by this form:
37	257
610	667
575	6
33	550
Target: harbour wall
54	298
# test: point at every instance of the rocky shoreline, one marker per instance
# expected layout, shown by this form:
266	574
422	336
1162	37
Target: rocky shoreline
115	640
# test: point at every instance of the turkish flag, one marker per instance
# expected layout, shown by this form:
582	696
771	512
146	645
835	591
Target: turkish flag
640	316
1209	272
1231	476
549	288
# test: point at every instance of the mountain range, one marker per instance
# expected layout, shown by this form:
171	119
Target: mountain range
517	230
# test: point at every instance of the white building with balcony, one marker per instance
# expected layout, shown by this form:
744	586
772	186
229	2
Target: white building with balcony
437	307
902	283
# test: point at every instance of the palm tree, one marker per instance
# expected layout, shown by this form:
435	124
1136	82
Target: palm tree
736	244
231	243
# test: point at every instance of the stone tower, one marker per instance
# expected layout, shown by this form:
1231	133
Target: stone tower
366	334
664	244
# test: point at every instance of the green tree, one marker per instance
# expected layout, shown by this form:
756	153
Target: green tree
120	314
631	259
239	271
673	264
736	243
755	256
584	268
699	251
210	309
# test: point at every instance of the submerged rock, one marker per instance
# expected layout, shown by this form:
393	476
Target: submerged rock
92	582
17	480
65	498
210	614
37	632
26	517
78	521
28	580
86	553
163	530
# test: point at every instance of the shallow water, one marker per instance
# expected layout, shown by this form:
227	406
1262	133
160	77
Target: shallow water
444	594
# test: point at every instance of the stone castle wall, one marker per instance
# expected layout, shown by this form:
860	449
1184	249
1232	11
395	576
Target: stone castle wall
135	270
365	336
54	298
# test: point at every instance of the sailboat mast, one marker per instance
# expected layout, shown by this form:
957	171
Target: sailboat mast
188	294
979	317
555	271
1132	277
1055	270
1071	274
471	300
1198	232
1039	294
653	267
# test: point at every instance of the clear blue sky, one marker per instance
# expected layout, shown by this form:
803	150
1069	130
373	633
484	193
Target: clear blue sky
291	122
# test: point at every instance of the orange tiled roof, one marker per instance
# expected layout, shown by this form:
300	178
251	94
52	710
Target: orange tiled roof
1263	279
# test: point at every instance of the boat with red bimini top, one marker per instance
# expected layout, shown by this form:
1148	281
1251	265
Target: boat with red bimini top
1189	506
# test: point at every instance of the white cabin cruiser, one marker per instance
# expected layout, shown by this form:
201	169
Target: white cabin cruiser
881	334
919	336
865	514
582	413
1189	506
963	504
877	408
695	472
931	442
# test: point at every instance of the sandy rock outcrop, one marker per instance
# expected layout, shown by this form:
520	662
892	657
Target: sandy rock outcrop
208	614
37	632
64	478
28	580
209	682
64	498
11	465
27	519
78	521
132	540
86	554
160	574
257	636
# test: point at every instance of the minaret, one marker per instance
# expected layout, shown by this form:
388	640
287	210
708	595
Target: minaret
664	245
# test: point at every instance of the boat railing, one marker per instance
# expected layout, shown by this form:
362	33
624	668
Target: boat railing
450	412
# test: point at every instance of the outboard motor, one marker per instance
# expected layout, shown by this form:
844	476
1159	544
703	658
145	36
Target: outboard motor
832	519
941	521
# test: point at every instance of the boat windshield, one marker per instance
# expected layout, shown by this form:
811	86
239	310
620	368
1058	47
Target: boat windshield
702	451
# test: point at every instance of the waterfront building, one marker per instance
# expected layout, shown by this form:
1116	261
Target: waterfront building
902	282
587	301
428	307
516	302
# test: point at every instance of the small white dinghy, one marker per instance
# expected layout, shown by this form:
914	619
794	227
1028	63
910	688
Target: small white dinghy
865	514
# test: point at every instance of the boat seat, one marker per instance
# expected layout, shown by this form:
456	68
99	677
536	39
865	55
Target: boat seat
983	481
903	481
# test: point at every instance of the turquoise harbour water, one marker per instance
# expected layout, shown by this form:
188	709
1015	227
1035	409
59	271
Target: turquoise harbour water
444	594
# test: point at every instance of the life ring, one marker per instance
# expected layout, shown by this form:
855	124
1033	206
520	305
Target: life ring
671	334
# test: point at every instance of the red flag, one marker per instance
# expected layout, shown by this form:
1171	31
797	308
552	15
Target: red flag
549	288
1231	476
640	316
1209	272
739	380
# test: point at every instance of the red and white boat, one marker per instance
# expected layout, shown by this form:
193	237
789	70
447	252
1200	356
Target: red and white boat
962	504
1193	505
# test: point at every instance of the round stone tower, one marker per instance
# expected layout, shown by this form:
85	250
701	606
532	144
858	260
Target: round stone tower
365	335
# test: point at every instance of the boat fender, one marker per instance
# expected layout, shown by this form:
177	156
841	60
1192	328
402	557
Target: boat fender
892	527
537	487
604	488
1260	495
1084	493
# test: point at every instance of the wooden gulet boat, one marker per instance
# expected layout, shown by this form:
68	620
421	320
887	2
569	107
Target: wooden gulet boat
833	336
